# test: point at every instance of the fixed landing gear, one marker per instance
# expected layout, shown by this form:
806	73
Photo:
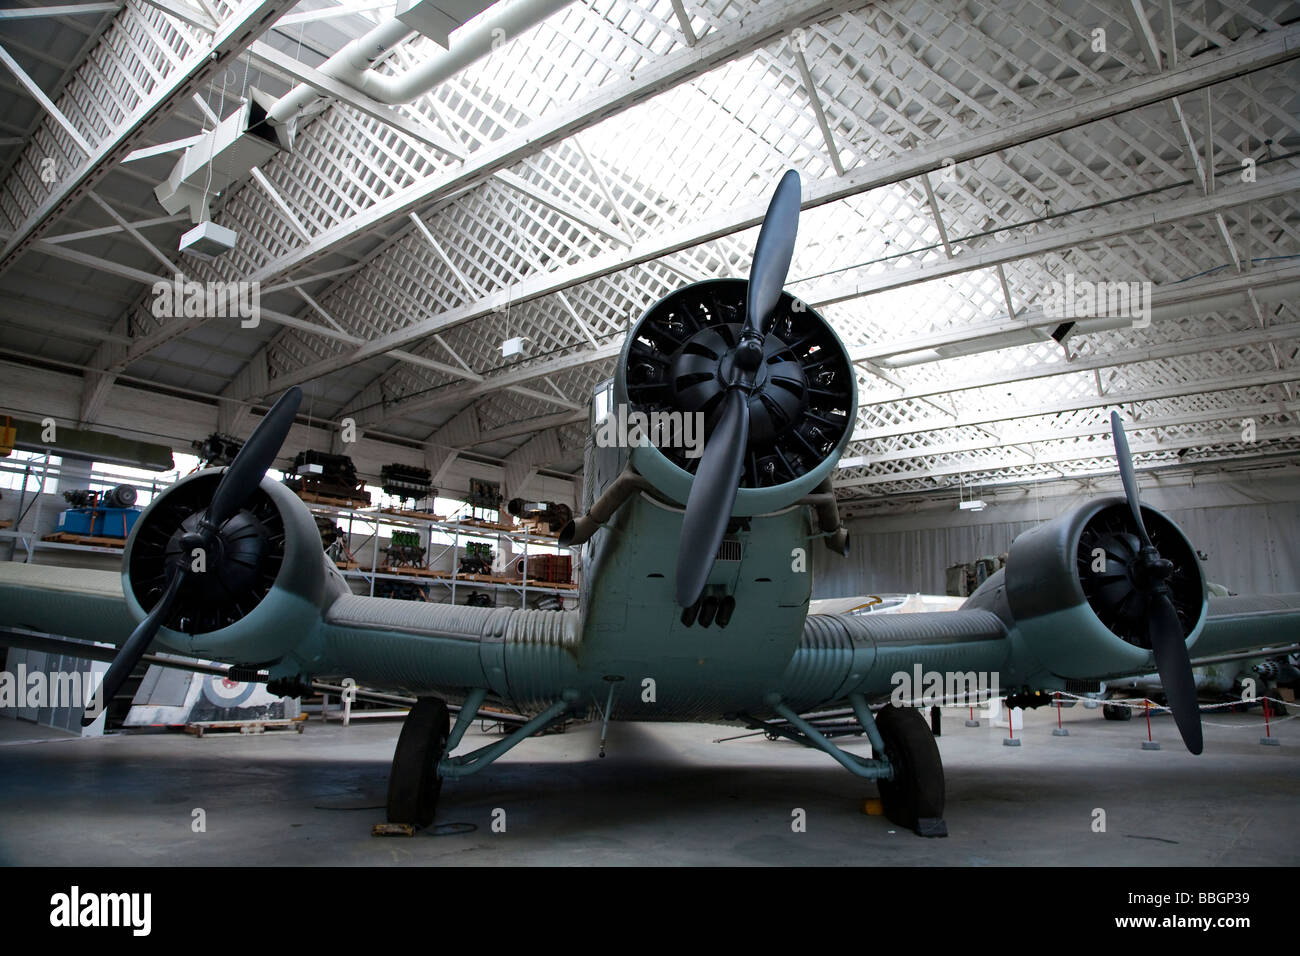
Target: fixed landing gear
414	782
913	796
422	759
905	760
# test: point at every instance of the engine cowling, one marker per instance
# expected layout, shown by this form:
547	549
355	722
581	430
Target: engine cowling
676	359
255	598
1071	587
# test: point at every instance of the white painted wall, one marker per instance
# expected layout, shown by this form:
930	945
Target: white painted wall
1250	531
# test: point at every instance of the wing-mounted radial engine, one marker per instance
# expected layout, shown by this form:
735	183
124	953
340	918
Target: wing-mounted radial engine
263	566
765	375
226	564
1103	588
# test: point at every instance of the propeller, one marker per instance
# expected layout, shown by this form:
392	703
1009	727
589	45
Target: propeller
237	484
713	492
1150	576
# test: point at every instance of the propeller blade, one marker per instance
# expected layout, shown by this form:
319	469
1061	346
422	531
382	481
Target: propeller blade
1127	476
258	454
773	253
134	649
1175	668
713	492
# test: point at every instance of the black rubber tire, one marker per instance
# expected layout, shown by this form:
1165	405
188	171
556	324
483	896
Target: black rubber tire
1116	712
917	790
413	782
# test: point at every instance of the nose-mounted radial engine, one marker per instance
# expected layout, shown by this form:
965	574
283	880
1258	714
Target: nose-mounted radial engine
770	379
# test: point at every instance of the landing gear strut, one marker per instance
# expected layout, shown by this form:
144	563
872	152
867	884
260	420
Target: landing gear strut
414	782
905	760
421	761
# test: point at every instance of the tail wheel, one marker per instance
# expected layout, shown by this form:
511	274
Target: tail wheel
914	797
413	782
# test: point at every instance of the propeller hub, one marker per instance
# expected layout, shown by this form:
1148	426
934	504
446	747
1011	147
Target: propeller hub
1151	570
776	389
749	353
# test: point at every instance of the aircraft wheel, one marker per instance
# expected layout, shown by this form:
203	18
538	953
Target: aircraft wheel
914	798
413	782
1116	712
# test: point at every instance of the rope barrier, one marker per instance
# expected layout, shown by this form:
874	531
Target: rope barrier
1133	703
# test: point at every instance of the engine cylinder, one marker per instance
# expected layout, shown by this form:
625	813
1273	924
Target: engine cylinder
251	600
677	361
1076	594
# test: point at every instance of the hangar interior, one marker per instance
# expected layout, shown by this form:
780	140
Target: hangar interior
440	218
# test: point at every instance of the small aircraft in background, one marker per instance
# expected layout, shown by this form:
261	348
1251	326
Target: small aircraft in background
694	600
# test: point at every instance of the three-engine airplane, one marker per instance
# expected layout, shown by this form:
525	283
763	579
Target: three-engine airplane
226	565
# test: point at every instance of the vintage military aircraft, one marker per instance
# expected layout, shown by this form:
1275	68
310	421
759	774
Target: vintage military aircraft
226	565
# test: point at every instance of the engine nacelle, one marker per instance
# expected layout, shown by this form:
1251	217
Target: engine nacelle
1069	589
676	360
252	602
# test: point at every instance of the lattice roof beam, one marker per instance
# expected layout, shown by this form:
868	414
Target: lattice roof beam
229	40
1204	169
1219	438
1053	432
1132	356
1154	213
1166	299
720	46
1240	59
1059	406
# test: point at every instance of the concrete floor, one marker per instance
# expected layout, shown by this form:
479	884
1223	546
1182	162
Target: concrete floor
666	794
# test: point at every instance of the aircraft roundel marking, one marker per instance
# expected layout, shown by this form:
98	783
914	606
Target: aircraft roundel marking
225	692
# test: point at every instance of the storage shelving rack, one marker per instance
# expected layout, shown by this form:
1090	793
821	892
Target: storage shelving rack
373	519
43	470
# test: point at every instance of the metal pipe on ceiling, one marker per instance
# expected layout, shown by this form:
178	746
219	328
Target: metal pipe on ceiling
352	64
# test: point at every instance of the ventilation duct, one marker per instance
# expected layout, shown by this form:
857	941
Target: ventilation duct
352	64
262	126
222	156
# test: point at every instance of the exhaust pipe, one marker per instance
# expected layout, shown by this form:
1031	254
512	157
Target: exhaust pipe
828	517
581	530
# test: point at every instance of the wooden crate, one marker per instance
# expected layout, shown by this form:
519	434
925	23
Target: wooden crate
406	513
312	498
